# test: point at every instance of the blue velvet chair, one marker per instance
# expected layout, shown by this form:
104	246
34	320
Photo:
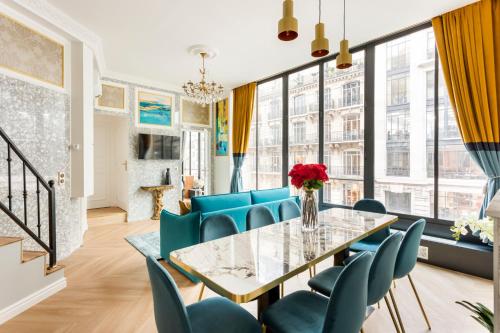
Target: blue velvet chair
288	210
379	280
343	312
406	261
215	227
259	216
372	242
172	316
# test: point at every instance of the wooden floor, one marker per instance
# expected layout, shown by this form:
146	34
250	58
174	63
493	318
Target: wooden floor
108	291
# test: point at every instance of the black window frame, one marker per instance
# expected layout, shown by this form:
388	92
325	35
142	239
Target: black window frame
435	225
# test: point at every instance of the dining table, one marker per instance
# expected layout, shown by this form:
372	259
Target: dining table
251	265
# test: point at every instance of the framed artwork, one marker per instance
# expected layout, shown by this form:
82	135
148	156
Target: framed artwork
222	128
195	114
154	108
42	58
114	97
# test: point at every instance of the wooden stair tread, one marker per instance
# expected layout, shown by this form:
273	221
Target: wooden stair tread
9	240
30	255
56	268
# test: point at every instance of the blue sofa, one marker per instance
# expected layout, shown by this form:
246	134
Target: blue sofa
179	231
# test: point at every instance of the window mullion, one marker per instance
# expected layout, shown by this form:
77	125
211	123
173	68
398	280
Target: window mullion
369	132
436	134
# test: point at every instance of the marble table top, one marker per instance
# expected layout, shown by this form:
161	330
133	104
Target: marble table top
244	266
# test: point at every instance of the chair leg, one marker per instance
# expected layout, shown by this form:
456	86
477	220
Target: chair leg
393	299
263	328
362	330
314	269
282	290
419	302
392	314
201	292
310	273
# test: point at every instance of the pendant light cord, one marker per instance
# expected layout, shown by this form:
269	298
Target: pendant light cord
319	16
344	19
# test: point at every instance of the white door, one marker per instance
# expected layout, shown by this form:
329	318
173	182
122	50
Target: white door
101	196
121	157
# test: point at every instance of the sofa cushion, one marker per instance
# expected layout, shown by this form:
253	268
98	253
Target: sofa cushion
270	195
213	203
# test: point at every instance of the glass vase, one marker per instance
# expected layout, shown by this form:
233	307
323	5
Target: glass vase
309	210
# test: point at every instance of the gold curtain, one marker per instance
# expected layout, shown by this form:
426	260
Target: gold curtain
243	105
468	42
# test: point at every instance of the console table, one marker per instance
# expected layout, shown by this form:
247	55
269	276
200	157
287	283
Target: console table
157	192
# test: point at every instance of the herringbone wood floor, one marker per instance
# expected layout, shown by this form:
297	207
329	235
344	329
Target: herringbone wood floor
108	291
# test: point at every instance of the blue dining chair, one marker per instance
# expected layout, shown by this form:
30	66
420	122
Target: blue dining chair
172	316
379	280
372	242
342	312
288	210
259	216
406	261
215	227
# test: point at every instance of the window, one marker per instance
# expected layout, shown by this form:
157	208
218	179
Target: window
397	92
299	105
398	56
194	155
343	134
398	163
398	124
398	202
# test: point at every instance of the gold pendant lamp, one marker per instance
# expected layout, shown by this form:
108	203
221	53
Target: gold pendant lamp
320	46
288	25
344	59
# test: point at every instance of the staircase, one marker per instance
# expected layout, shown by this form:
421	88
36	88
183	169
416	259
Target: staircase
27	276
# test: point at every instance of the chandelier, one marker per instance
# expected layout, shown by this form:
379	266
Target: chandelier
203	92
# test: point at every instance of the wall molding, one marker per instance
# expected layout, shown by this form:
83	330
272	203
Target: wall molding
55	17
30	300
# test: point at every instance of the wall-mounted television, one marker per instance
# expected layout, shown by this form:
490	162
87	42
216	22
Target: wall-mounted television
159	147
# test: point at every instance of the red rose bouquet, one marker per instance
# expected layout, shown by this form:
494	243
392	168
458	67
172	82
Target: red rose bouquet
308	176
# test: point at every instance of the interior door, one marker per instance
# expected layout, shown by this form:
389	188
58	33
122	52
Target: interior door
101	196
121	158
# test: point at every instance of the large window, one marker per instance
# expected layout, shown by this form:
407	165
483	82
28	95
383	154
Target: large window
404	151
194	155
343	135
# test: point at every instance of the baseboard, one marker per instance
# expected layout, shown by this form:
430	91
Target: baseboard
22	305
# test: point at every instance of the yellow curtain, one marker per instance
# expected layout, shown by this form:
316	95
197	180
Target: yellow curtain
243	105
468	42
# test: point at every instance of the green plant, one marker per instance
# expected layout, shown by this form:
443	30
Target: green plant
482	314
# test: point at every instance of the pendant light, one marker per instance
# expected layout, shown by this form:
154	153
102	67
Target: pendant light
288	26
320	45
344	59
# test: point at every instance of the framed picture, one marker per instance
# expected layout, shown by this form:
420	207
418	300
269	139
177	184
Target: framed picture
222	128
154	108
195	114
114	97
42	58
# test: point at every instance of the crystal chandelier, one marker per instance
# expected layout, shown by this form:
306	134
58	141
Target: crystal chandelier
203	92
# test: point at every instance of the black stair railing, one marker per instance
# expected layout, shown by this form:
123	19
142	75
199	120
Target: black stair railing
49	246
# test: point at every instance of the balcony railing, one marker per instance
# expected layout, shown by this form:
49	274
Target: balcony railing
303	139
344	136
400	172
345	171
332	72
337	103
398	137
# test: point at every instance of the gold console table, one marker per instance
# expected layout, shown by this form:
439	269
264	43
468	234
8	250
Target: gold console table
157	192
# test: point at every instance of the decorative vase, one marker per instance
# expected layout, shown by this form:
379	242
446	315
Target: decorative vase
167	179
309	210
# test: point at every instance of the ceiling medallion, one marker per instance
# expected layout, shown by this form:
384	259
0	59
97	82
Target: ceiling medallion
203	92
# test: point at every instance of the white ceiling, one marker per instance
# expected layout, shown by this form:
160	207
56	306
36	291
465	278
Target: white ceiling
149	39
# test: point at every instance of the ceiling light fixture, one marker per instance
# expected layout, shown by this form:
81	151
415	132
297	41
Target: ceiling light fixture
288	26
319	46
344	59
203	92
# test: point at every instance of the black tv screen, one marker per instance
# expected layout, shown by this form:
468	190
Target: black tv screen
159	147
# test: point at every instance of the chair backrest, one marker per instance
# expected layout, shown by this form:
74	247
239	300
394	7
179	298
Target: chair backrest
217	226
408	251
370	205
347	306
288	210
259	216
382	269
170	312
